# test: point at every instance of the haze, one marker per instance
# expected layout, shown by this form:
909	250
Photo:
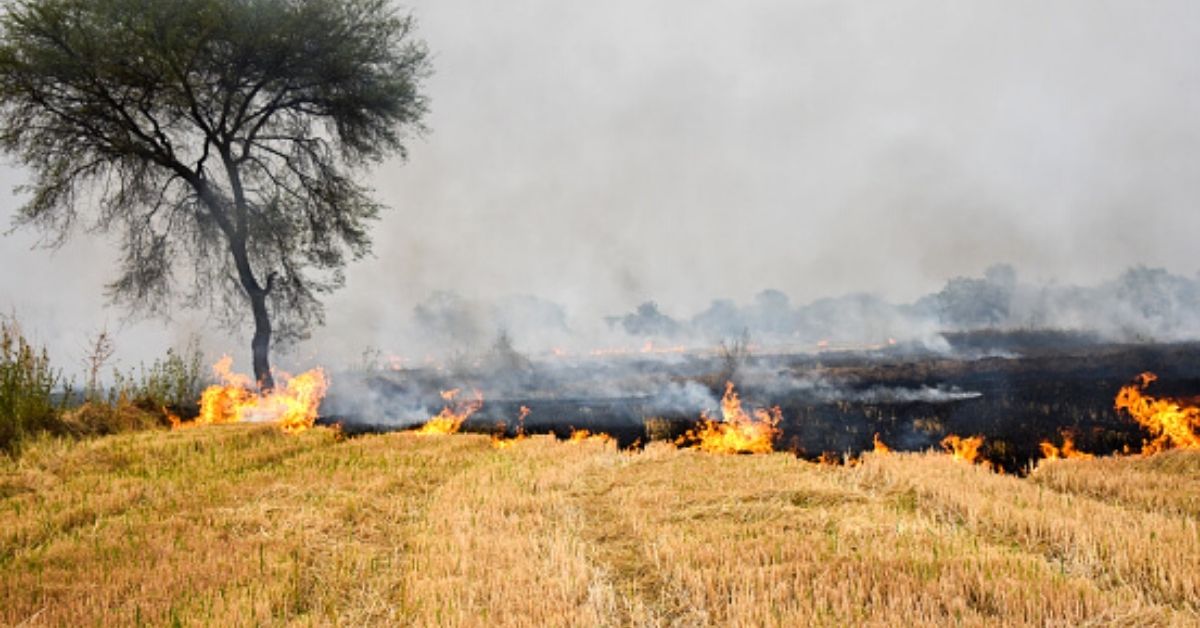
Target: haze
603	154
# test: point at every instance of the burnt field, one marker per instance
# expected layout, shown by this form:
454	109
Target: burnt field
1016	390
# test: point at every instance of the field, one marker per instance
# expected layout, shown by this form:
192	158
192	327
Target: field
239	525
832	404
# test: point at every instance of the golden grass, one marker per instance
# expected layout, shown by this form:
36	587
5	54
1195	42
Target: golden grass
1168	482
242	525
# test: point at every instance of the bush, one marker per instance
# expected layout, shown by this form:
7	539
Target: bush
97	418
171	385
33	398
27	387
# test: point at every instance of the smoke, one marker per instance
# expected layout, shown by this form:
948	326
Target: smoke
967	315
817	385
361	399
525	348
853	157
688	398
924	394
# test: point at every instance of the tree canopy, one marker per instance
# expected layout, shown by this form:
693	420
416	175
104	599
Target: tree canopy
221	140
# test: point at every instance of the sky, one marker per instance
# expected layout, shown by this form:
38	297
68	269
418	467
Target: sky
601	154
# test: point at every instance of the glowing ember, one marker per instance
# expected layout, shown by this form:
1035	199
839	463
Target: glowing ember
1068	451
293	405
880	446
584	436
738	432
1170	423
451	418
964	449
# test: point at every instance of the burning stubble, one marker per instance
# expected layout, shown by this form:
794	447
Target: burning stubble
293	405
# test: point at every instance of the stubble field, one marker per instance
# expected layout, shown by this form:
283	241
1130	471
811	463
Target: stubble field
242	525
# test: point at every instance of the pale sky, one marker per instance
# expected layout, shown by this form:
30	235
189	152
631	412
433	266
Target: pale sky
599	154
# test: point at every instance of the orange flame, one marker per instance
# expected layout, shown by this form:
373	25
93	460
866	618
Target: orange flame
831	459
964	449
738	432
881	447
499	442
1068	451
294	405
1170	423
584	436
452	416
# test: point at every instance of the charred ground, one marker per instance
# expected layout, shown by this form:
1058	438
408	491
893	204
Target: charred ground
1016	389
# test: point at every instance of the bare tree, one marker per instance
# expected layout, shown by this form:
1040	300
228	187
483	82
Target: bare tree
100	351
219	139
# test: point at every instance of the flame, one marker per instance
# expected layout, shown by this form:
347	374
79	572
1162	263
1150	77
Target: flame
584	436
1170	423
964	449
499	442
880	446
831	459
1068	451
451	418
293	405
737	432
176	422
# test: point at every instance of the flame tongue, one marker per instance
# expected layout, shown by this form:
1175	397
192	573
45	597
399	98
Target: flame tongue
585	436
499	442
294	405
1170	423
1068	451
963	449
452	416
738	432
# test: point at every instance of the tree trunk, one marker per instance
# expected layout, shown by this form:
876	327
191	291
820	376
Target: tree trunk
235	232
261	344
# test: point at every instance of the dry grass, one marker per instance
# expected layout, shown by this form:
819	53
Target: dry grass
1168	482
242	525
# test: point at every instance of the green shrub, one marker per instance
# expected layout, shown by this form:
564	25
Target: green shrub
171	384
33	397
144	400
27	389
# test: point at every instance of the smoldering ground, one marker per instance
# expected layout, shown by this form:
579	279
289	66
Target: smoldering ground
830	364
